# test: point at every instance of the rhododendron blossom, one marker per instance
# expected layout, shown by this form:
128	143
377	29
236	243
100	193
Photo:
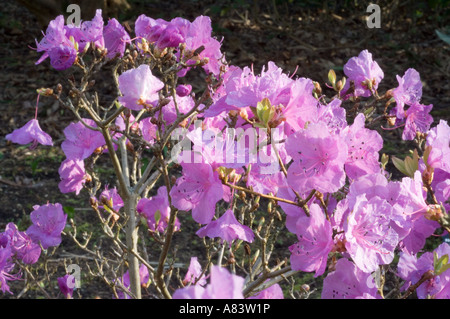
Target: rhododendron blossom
31	132
199	189
319	159
139	87
370	239
315	242
365	73
227	228
349	282
48	222
222	285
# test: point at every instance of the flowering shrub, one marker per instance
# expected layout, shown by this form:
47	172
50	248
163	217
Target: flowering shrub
247	156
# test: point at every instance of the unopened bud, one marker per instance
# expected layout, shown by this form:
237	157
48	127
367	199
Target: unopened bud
45	91
243	113
391	120
427	175
59	88
339	86
317	89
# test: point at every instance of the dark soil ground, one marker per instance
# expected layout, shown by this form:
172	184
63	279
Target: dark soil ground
311	35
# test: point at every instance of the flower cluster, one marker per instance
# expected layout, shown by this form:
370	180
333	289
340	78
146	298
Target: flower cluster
289	144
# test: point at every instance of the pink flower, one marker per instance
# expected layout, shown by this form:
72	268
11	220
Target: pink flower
315	242
156	210
319	158
6	266
438	138
48	223
363	149
144	277
418	119
66	285
57	45
73	176
370	239
21	244
116	38
364	72
411	269
199	189
222	285
193	274
62	56
112	197
302	105
349	282
199	33
409	91
30	133
139	87
81	141
227	228
272	292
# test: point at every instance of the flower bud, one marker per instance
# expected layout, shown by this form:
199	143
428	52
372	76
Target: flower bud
434	212
45	91
183	90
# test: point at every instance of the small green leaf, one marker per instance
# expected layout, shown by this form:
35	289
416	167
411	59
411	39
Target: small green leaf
399	164
69	210
443	37
157	217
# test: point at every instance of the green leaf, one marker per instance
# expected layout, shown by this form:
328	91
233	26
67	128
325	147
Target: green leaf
443	37
399	164
157	217
69	210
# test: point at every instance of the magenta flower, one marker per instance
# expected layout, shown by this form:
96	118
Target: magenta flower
272	292
222	285
81	141
48	223
315	242
333	115
418	119
112	197
148	130
144	277
227	228
364	72
56	40
199	33
6	266
199	189
161	32
438	138
272	83
370	239
21	244
183	90
93	31
62	56
319	158
302	105
411	268
409	91
66	285
363	147
30	133
139	87
194	274
156	210
73	176
116	38
349	282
